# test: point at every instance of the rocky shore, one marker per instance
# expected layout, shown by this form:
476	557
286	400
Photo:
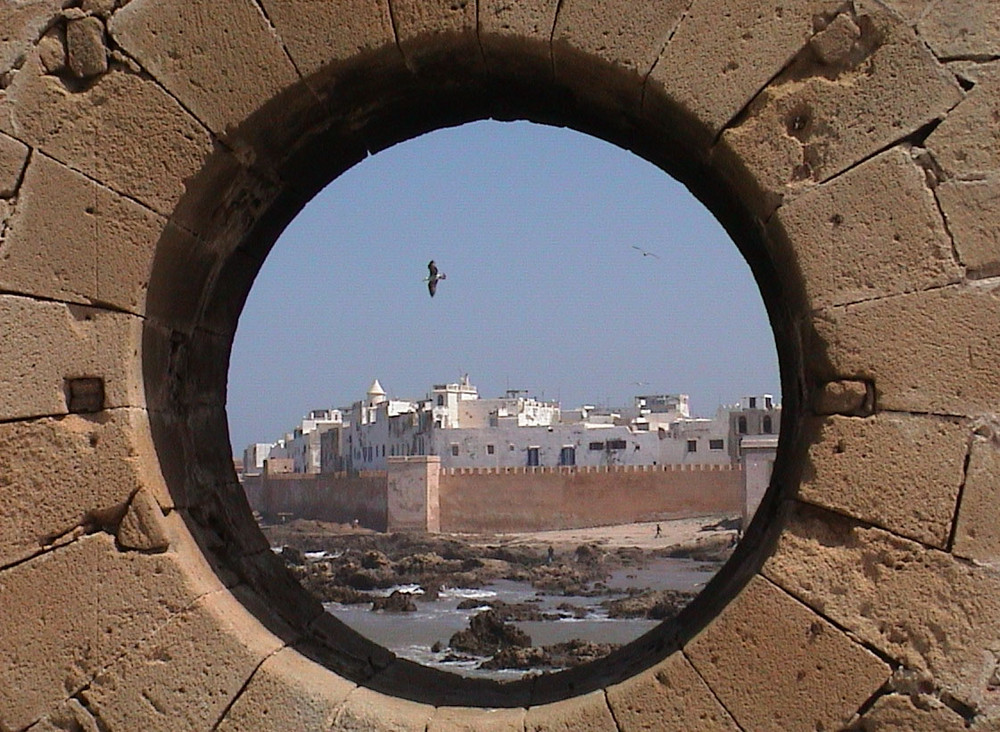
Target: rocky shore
351	565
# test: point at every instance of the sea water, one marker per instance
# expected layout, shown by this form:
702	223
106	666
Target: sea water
411	635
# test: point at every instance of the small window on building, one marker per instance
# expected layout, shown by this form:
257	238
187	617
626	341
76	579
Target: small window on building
743	425
490	449
616	444
716	445
692	445
567	455
642	426
532	456
440	400
767	425
512	448
596	446
768	403
454	450
753	402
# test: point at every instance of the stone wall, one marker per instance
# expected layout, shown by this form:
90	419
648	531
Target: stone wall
532	499
321	496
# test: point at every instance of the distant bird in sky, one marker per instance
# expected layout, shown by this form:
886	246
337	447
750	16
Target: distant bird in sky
644	252
433	277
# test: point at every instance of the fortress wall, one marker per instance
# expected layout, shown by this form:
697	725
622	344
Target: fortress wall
323	497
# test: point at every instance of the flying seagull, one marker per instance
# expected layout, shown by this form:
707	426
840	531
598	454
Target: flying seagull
433	277
644	252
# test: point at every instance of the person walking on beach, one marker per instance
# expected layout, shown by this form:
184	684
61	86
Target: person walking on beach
658	531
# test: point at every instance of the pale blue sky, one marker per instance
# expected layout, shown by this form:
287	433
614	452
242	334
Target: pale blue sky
534	227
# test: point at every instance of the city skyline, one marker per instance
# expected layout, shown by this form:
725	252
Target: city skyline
545	236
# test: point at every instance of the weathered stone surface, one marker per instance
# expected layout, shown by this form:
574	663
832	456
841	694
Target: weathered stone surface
432	31
103	8
365	709
213	646
185	44
720	57
846	397
977	534
960	28
124	131
898	712
972	209
920	606
318	34
462	719
73	239
967	142
45	343
13	158
142	525
58	474
628	36
932	351
86	53
902	473
71	611
288	692
589	712
70	715
21	24
812	122
52	49
817	676
874	231
670	697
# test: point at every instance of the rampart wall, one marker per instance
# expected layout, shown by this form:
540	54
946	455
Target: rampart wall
324	497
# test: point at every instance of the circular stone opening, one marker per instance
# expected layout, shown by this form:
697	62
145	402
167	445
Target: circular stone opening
219	236
565	520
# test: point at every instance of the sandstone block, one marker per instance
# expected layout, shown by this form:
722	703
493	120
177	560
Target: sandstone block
463	719
422	27
670	697
124	131
102	8
977	535
186	674
628	36
962	28
52	49
72	239
319	34
13	158
919	606
874	231
932	351
965	144
185	44
589	712
817	676
59	474
68	613
720	57
287	693
70	715
898	712
972	209
816	120
846	397
902	473
86	53
365	709
46	343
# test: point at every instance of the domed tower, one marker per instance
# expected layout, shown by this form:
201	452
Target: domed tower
376	394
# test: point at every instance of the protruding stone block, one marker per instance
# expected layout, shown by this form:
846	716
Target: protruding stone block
142	526
902	473
874	231
86	52
922	607
817	675
672	694
849	397
288	692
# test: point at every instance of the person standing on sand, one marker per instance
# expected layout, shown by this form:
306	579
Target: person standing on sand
551	555
658	531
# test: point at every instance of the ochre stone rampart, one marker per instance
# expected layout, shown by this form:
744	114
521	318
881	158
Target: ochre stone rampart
152	151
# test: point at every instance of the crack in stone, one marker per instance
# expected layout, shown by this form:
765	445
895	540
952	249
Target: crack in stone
552	37
656	61
236	697
711	691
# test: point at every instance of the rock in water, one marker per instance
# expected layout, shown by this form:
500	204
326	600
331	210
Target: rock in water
488	634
